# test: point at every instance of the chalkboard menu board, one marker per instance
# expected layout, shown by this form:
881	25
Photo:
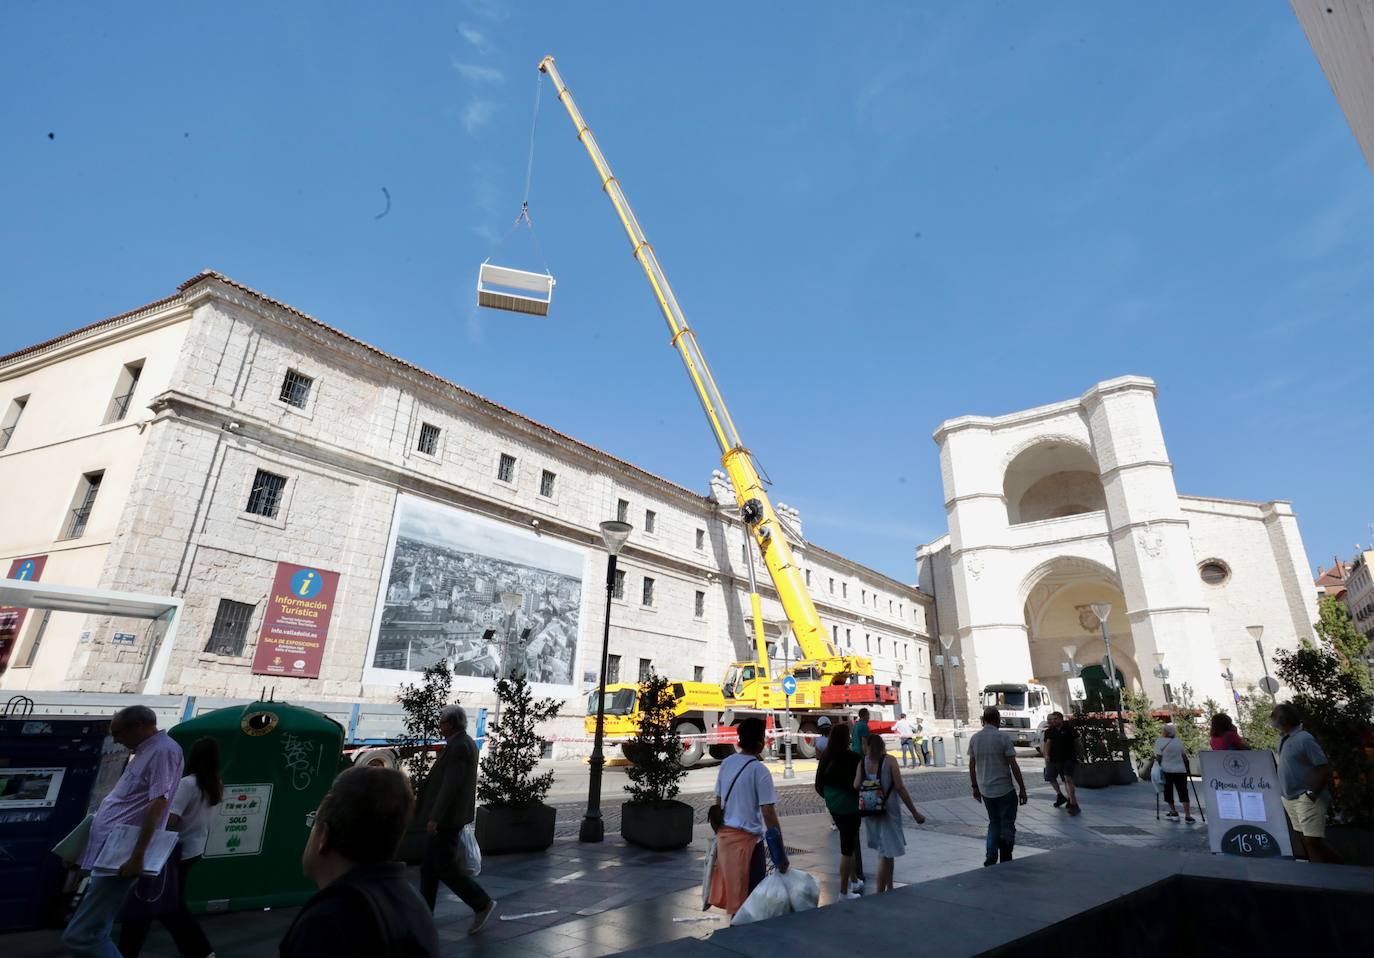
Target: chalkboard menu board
1244	809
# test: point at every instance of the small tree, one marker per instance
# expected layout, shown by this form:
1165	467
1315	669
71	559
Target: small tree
1193	736
1336	708
422	704
1335	627
655	775
1147	726
1252	719
513	746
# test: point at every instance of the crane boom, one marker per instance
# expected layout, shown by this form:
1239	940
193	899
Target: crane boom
755	507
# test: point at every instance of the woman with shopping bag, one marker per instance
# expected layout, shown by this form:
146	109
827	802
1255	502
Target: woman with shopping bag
745	818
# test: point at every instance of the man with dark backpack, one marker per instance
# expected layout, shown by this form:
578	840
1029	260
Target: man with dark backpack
365	906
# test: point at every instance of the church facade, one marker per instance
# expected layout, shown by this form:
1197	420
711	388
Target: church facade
1058	508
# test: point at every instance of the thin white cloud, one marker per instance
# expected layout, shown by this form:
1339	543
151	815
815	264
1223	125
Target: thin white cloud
476	37
477	114
477	73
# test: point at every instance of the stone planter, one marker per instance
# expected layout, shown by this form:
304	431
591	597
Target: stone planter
1355	844
502	830
1102	774
660	826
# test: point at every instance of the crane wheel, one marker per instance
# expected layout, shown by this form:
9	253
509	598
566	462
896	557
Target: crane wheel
721	752
632	752
692	749
806	747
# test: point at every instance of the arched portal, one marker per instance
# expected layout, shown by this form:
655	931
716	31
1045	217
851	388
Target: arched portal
1065	633
1050	480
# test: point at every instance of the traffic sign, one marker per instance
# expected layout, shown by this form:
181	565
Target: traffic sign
1270	685
789	685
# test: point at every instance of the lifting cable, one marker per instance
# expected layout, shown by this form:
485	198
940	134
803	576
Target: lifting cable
524	215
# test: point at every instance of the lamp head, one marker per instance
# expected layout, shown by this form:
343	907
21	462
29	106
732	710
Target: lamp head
615	532
1256	631
946	640
510	601
1102	610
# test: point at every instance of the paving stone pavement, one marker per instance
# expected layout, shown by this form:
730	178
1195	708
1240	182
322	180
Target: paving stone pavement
612	897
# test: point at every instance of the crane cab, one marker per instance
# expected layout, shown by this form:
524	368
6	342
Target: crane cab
514	290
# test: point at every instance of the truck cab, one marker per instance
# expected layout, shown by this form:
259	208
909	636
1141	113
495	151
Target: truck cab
1025	708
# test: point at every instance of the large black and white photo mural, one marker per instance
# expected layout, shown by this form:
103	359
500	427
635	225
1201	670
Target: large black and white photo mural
489	598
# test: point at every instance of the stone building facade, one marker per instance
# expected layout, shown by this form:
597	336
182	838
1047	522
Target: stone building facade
1062	506
222	385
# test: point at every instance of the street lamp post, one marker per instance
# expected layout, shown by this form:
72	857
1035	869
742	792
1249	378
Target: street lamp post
1230	678
1102	610
946	640
1270	686
1162	673
593	827
787	770
510	603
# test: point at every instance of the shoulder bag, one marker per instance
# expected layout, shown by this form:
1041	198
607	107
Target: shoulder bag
715	815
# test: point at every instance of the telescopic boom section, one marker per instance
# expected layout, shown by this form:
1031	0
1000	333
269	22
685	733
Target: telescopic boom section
739	466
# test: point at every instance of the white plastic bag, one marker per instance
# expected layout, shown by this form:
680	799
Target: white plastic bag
803	891
1157	777
779	894
767	900
707	868
472	852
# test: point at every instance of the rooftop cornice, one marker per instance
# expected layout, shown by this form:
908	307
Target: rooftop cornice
1048	411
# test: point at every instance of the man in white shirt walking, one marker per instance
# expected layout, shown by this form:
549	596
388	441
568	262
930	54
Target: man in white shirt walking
991	768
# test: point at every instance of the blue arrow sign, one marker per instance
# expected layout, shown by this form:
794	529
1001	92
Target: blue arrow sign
789	685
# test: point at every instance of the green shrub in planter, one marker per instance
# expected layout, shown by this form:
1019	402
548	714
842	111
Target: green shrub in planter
652	818
513	816
1332	690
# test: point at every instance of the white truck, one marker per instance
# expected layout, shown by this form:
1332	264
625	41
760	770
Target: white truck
1025	708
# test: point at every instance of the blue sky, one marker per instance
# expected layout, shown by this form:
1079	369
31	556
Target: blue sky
876	218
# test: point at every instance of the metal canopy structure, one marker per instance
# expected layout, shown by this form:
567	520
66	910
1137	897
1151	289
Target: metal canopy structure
131	605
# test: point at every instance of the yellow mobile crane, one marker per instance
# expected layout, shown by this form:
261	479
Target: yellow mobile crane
702	706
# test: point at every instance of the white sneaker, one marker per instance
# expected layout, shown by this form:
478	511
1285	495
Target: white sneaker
856	885
851	897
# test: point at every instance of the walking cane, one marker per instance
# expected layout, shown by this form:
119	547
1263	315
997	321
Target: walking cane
1202	809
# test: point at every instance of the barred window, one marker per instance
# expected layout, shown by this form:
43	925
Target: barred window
265	497
546	481
701	538
11	420
622	510
648	595
230	630
646	669
698	673
124	392
505	468
83	503
295	388
429	439
650	520
612	669
700	607
618	589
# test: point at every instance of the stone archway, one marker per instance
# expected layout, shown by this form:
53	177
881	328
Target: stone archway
1061	626
1052	479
